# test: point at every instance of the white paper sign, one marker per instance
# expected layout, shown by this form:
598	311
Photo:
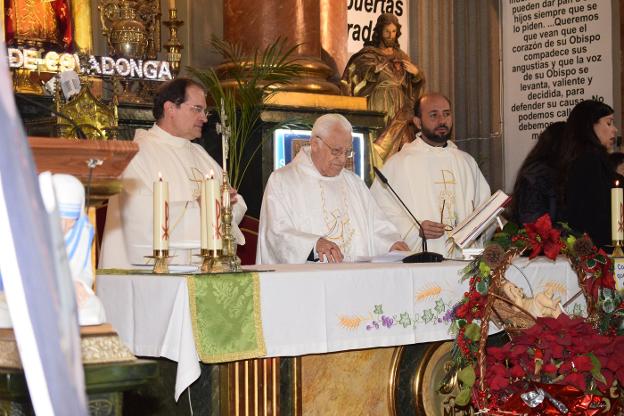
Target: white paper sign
555	54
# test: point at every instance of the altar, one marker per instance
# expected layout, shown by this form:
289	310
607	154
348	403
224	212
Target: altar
311	309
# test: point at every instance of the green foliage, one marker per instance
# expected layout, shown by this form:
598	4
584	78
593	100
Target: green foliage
256	78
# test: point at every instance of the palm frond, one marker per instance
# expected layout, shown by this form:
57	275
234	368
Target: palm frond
257	77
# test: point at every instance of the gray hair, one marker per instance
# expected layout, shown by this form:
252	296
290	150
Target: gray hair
324	122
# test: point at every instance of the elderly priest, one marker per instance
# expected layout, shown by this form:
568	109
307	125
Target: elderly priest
314	209
165	149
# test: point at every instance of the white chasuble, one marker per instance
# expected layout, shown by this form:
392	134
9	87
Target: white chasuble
300	206
128	231
440	184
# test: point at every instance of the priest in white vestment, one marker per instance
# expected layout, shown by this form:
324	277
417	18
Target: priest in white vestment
166	148
440	184
313	208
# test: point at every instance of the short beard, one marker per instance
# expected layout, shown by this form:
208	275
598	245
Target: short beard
389	43
436	138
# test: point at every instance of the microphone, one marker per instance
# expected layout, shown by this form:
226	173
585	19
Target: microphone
424	256
79	132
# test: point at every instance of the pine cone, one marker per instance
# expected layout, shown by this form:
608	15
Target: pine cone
493	255
583	246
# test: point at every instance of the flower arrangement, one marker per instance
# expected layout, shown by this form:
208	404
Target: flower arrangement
576	358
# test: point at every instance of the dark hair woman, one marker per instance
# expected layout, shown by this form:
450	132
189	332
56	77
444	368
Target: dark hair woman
535	192
586	173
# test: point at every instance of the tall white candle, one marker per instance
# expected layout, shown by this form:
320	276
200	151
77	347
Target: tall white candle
160	223
213	198
617	225
203	210
172	4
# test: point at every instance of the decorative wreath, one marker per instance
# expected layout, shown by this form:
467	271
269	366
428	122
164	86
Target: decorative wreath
563	365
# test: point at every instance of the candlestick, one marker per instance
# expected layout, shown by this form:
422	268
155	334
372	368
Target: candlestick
617	218
173	46
160	223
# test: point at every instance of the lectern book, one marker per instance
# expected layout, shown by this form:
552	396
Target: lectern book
470	228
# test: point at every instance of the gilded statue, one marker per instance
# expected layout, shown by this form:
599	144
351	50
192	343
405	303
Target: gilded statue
384	74
39	23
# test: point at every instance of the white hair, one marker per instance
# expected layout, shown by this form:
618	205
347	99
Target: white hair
324	122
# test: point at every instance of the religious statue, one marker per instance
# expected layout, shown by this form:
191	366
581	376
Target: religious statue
78	233
542	304
384	74
39	24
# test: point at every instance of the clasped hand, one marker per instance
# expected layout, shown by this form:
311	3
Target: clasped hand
328	252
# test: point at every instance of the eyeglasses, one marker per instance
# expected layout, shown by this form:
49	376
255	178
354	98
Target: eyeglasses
198	109
337	152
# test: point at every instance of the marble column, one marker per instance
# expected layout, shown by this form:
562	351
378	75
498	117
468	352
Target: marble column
334	36
255	25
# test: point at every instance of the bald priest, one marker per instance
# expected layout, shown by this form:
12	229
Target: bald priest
315	209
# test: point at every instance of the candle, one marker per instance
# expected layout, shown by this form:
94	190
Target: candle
172	4
161	214
203	211
211	214
617	225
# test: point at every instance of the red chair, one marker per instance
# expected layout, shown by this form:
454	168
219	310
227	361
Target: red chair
249	227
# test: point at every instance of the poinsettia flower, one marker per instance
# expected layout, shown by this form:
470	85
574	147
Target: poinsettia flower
582	363
577	380
497	353
499	370
499	382
541	236
517	371
549	368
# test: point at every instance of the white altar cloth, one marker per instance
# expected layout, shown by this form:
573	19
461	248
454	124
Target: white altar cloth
315	308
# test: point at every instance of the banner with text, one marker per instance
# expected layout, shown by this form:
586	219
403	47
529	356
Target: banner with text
555	54
362	16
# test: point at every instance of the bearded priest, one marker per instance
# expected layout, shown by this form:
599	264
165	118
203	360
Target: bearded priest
315	209
440	184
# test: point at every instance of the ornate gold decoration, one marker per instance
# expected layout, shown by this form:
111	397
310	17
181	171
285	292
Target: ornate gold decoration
35	24
433	391
132	27
24	83
174	46
105	347
96	119
81	17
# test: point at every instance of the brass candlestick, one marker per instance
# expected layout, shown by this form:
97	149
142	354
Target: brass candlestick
174	46
213	261
229	245
617	249
160	261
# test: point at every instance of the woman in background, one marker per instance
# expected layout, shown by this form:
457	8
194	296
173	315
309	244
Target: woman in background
535	193
587	176
617	162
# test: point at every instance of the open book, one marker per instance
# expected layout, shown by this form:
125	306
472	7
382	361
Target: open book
472	226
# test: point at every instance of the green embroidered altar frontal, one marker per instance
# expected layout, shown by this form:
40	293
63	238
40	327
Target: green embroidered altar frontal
225	311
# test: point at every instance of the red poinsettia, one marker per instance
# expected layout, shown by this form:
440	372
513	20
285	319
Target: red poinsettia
588	361
542	237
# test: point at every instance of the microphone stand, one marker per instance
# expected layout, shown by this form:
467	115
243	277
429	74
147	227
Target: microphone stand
425	256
